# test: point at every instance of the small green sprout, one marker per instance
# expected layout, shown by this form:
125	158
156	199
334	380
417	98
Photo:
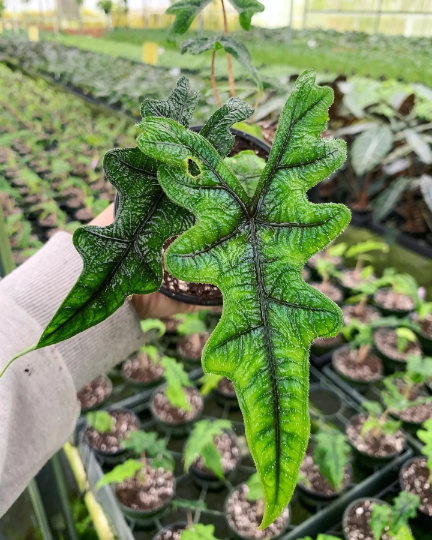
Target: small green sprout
201	444
209	382
101	421
406	284
191	323
394	520
361	252
151	351
327	269
331	453
377	422
256	493
198	532
425	435
405	337
176	378
148	325
121	472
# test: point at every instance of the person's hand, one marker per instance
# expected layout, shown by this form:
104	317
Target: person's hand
154	305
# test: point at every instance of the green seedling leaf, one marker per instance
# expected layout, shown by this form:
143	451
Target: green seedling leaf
101	421
147	325
380	519
121	472
185	12
371	424
246	10
405	336
389	427
191	505
425	435
209	382
254	250
160	462
370	147
201	443
217	130
337	250
331	453
366	247
255	492
192	323
373	407
198	531
176	378
248	167
419	369
253	129
404	508
142	442
151	351
230	45
393	398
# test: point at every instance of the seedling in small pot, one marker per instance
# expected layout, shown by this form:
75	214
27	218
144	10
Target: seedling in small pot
400	297
144	369
362	292
325	470
334	254
394	521
141	486
95	393
254	255
211	451
195	336
396	344
327	269
210	382
101	421
361	252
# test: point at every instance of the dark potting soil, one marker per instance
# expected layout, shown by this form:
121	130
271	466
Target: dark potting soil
333	292
242	516
166	412
369	370
192	346
141	368
229	452
149	493
357	525
350	279
313	261
317	482
225	386
171	324
389	299
110	442
174	534
366	315
416	479
94	393
418	413
426	326
202	291
330	342
381	446
386	342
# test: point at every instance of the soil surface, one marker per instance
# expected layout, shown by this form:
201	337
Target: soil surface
203	292
174	534
329	343
389	299
331	291
358	522
166	412
229	451
319	483
418	413
141	368
110	442
313	261
416	479
95	392
150	494
171	324
386	342
242	516
226	387
191	346
382	446
346	361
426	326
368	313
350	279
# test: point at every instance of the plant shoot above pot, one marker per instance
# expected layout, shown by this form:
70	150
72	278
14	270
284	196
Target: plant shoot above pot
361	252
252	247
394	520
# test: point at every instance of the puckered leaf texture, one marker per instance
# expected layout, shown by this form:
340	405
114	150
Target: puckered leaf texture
246	10
254	250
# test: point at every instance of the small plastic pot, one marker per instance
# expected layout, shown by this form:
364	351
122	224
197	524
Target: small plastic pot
141	385
350	506
391	364
101	404
326	401
173	526
237	536
120	456
358	384
426	518
264	150
145	518
176	430
208	479
425	342
386	312
312	499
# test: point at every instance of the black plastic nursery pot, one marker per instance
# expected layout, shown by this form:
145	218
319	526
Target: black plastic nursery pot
425	342
323	403
359	384
427	518
313	499
177	430
386	312
140	385
102	403
249	142
348	509
391	364
181	525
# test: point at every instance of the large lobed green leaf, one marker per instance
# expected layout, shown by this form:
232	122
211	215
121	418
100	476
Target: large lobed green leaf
254	250
246	10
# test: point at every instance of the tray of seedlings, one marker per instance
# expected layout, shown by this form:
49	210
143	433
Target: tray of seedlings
174	456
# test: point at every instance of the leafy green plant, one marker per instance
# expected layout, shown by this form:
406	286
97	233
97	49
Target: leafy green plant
331	452
425	435
361	252
198	531
191	323
406	284
405	337
201	443
255	255
101	421
378	422
394	520
187	10
177	379
209	382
